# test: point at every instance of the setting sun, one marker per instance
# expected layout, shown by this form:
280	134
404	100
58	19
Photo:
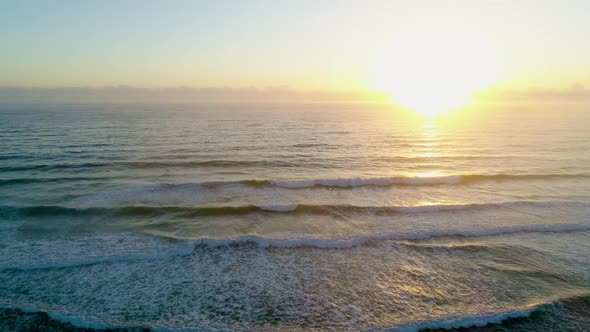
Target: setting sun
260	165
434	71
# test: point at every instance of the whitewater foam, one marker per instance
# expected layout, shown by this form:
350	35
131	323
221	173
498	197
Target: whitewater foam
476	320
360	182
341	243
146	210
89	250
463	322
192	192
88	322
43	259
79	321
184	250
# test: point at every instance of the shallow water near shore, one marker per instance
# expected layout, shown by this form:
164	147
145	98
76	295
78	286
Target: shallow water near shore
293	217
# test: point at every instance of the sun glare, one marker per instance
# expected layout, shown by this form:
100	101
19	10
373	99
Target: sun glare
433	71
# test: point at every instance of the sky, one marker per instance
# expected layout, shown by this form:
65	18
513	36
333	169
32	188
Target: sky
321	44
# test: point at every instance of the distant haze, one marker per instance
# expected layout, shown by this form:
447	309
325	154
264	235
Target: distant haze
307	45
253	94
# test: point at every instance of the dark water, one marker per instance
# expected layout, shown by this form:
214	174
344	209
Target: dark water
289	217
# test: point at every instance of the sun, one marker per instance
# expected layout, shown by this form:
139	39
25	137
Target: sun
433	71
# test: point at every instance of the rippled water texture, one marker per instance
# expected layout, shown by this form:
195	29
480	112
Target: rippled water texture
288	217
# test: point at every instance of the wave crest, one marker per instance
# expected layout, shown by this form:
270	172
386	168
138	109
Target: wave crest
464	179
410	181
342	243
446	323
188	211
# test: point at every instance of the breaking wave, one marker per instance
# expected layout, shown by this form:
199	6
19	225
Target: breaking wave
188	211
180	250
341	243
338	182
483	319
186	246
411	181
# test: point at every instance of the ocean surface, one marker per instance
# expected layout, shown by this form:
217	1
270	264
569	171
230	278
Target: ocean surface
293	217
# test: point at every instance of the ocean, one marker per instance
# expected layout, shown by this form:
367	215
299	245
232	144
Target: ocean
268	216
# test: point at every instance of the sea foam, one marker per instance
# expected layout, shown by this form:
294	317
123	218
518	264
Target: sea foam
340	243
463	322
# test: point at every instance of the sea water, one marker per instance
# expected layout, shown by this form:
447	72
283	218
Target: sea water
245	216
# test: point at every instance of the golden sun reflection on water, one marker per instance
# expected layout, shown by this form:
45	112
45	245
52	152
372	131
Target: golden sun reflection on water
428	147
431	147
428	174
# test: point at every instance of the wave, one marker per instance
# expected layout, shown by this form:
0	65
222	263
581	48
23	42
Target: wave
152	164
389	181
49	166
360	182
410	181
184	249
29	180
188	211
75	320
567	302
342	243
465	321
506	177
309	145
446	323
176	161
282	207
209	163
329	182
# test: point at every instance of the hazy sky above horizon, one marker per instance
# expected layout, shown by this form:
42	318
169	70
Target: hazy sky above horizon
305	44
